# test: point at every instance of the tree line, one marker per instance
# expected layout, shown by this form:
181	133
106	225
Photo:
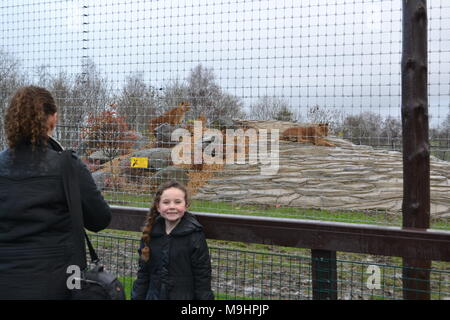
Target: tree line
89	93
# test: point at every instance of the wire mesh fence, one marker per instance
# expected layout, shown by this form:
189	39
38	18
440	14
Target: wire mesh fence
240	271
325	74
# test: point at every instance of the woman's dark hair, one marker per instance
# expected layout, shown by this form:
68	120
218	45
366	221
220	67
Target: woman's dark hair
153	214
26	116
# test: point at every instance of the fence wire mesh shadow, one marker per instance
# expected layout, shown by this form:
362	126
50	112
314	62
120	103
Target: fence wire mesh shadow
272	274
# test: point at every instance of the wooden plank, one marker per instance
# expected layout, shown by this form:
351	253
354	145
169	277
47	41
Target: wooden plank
310	234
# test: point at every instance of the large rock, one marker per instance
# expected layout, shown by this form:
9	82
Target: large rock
163	134
158	158
140	140
223	124
99	156
268	124
345	177
167	174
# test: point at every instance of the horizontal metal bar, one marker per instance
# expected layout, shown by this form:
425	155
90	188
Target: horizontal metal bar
310	234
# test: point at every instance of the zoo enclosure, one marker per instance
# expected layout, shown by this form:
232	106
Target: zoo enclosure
114	66
309	60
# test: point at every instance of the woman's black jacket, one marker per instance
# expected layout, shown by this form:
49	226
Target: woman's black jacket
35	224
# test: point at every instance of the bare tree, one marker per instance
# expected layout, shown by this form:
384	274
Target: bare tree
76	96
332	116
89	95
174	93
204	96
137	102
10	79
440	140
446	123
271	108
391	133
10	76
364	128
226	106
60	86
90	91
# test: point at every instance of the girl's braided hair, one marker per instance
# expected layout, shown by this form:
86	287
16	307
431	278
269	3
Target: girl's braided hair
26	116
154	213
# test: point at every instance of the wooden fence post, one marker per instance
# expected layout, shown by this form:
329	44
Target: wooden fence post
416	148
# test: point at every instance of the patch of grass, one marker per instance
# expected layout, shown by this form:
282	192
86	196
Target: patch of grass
125	199
296	213
440	223
255	210
128	285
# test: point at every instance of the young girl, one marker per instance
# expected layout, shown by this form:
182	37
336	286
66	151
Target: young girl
174	260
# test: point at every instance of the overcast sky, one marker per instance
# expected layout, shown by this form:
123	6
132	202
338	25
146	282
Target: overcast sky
335	53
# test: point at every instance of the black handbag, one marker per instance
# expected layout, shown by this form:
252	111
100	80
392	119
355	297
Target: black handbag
94	283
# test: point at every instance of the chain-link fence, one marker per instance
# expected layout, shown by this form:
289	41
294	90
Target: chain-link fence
325	74
244	271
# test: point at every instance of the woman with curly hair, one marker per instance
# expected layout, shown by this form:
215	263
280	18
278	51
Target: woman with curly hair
174	259
35	223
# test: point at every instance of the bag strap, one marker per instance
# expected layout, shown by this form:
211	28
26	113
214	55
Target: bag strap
92	253
72	192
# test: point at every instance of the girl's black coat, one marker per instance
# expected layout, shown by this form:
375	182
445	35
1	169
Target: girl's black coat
35	224
179	267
